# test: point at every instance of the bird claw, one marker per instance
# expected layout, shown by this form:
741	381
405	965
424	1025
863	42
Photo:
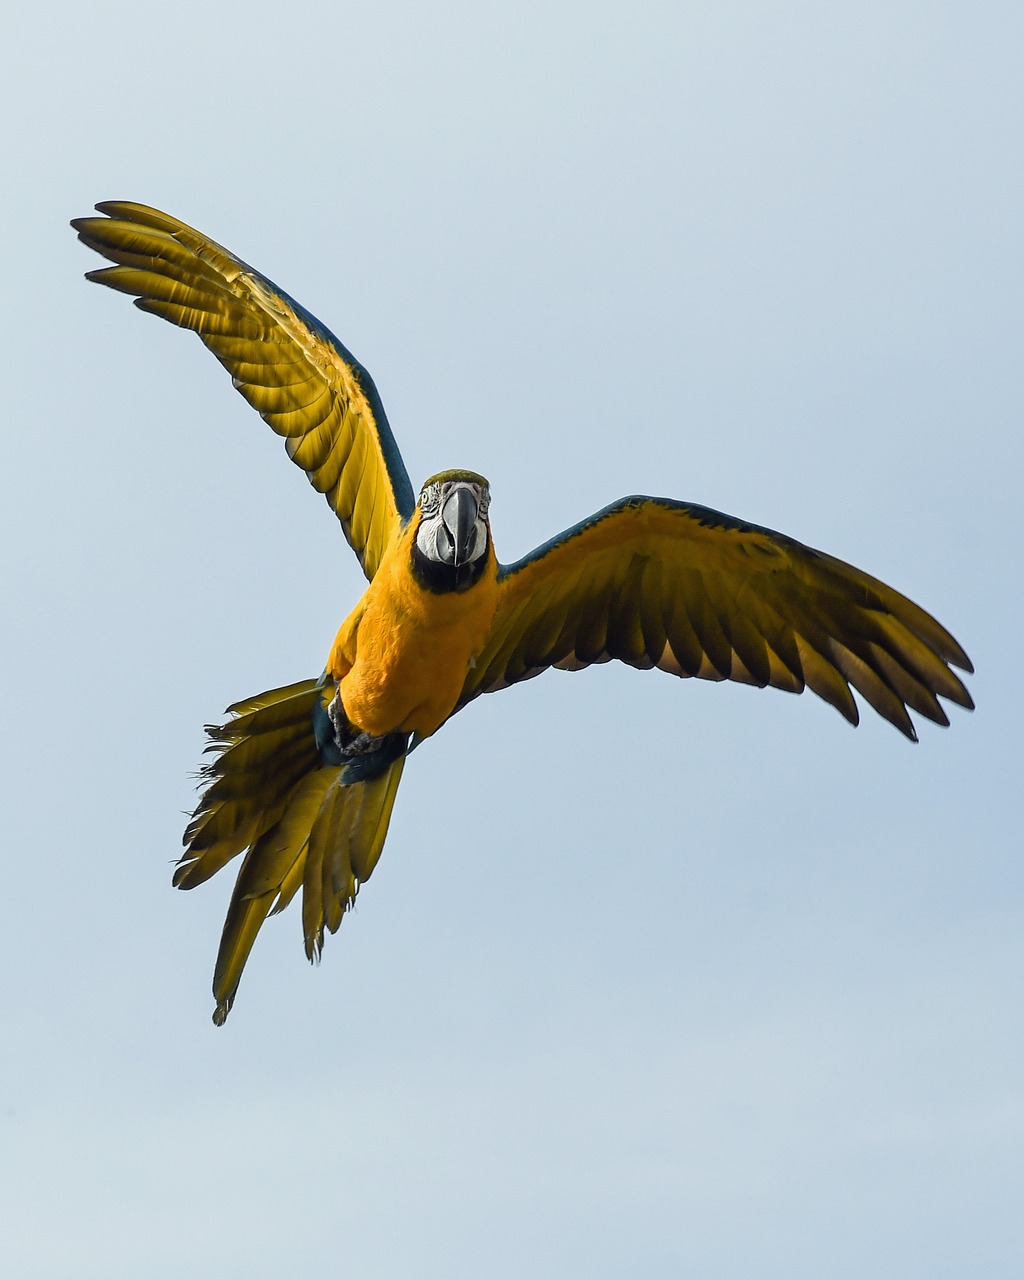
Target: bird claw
350	740
339	720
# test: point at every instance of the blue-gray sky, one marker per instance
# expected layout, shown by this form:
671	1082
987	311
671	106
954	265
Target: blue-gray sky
654	978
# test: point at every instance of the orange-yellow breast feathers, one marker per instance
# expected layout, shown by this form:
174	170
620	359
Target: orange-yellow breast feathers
402	656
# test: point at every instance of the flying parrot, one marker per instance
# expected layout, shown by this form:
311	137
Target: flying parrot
302	779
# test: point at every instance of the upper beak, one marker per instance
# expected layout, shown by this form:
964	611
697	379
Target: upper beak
459	513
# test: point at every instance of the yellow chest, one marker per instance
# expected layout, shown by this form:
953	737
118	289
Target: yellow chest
402	656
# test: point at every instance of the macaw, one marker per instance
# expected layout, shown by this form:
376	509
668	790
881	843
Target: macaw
302	779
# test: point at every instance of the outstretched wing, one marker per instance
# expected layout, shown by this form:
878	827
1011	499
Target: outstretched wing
658	583
290	368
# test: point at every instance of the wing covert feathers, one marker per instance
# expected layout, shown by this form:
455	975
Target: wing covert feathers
288	366
658	583
268	794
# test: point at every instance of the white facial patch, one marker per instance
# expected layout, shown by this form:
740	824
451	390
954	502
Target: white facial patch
438	535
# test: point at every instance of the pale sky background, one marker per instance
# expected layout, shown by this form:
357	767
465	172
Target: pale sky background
655	978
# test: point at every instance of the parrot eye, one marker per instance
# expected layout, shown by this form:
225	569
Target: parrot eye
430	499
484	503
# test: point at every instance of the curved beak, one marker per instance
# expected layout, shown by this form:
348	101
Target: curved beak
459	515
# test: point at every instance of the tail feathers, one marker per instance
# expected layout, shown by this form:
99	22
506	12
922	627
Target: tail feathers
260	756
271	793
264	704
328	841
344	844
271	867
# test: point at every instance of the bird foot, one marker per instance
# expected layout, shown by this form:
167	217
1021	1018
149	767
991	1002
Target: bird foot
351	740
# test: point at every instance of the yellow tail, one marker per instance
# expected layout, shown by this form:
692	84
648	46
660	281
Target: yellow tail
270	793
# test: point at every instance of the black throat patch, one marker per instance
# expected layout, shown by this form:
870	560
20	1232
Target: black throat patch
443	578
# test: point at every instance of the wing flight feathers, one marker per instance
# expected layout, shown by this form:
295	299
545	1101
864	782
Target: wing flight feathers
289	367
654	582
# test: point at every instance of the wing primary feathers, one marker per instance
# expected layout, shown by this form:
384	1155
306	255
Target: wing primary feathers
826	681
906	686
712	639
685	654
749	662
304	383
652	618
625	631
